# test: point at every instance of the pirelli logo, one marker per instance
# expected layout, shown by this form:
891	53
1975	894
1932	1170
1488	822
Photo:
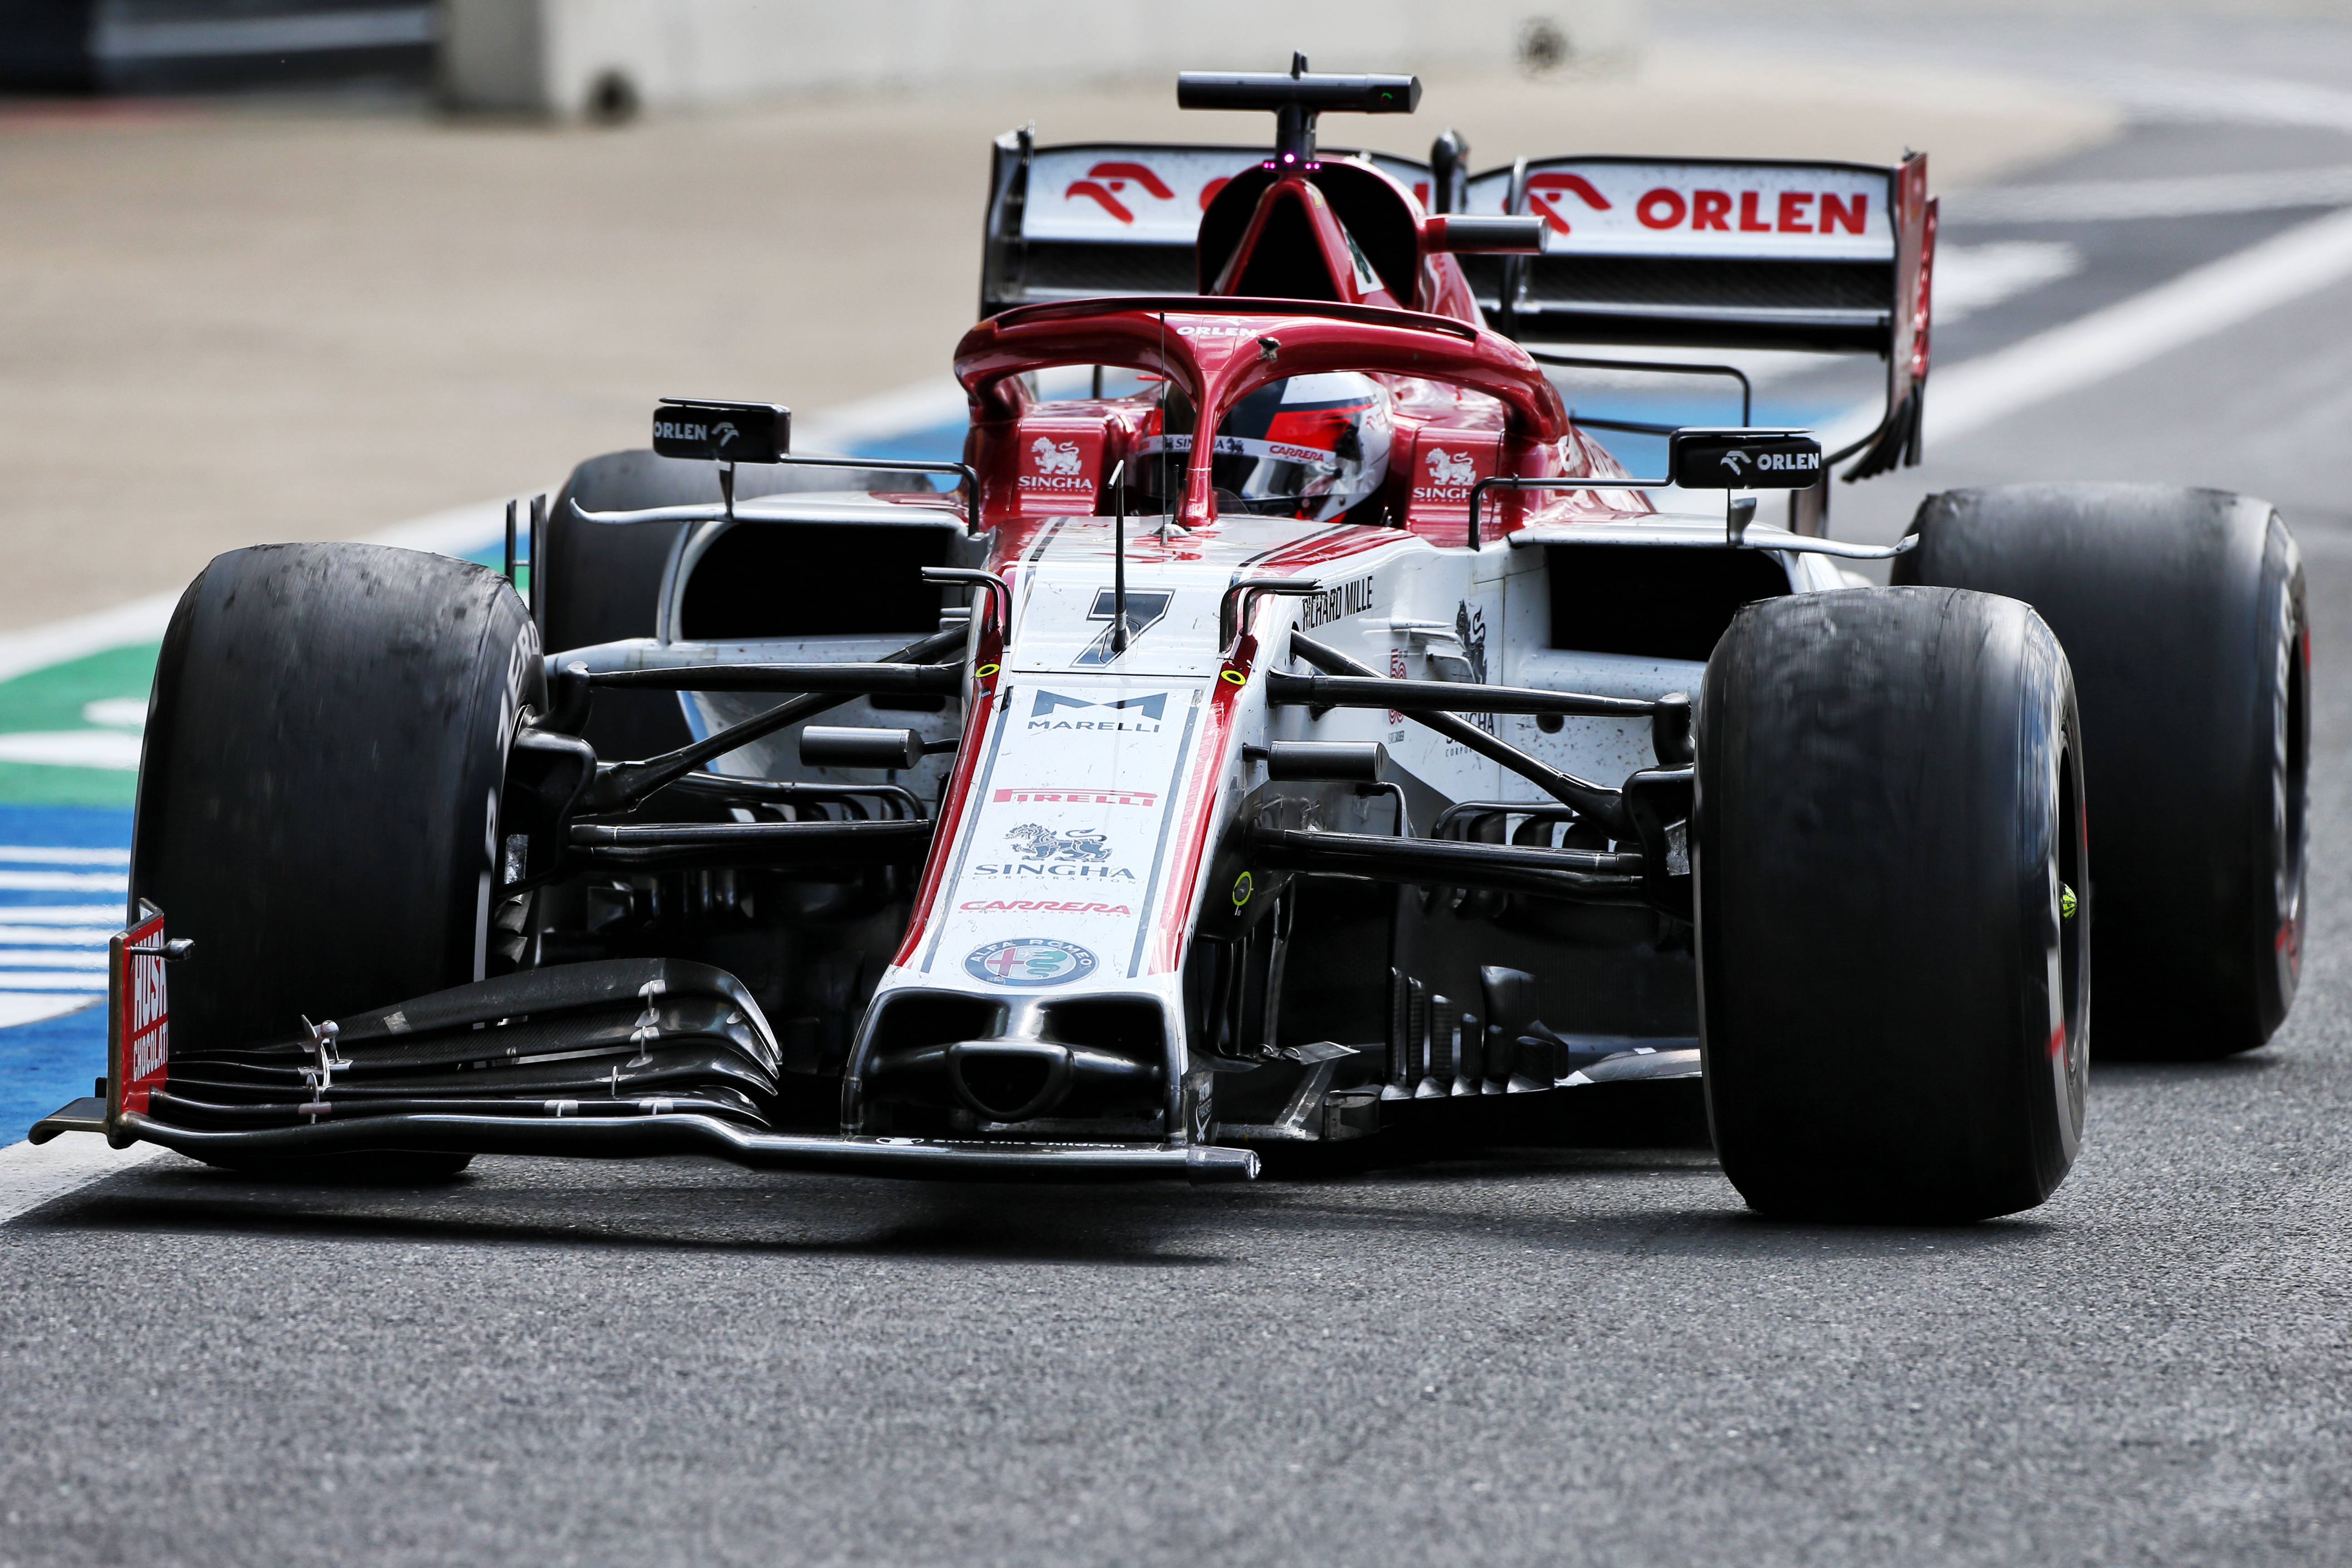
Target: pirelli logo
1076	796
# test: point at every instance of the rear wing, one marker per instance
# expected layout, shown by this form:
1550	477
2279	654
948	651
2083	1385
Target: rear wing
1719	253
1090	219
1726	254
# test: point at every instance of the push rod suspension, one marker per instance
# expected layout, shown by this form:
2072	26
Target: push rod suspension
1596	801
1444	695
623	785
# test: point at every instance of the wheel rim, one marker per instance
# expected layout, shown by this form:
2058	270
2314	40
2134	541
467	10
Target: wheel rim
2069	953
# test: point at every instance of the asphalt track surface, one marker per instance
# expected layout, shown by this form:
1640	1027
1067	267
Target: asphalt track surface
1534	1358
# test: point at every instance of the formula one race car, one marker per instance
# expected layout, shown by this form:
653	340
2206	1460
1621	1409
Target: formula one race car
1313	738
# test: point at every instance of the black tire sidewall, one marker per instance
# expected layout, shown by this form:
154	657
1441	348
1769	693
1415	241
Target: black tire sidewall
1880	775
2182	612
318	798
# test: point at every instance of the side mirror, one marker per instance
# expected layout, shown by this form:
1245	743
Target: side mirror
722	432
1731	459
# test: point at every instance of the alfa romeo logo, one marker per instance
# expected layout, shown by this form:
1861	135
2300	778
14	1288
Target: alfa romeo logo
1030	960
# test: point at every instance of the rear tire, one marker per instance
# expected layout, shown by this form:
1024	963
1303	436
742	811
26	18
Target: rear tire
1893	1010
319	797
2182	614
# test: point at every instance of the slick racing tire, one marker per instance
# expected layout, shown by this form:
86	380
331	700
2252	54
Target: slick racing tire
1894	1003
2181	612
603	582
319	802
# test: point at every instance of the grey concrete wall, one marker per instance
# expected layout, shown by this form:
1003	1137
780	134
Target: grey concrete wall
572	58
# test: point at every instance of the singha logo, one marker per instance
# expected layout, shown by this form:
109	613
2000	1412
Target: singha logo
1052	458
1034	841
1445	468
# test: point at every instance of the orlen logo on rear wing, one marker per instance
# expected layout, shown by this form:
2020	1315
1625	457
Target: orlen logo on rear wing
1608	206
1835	258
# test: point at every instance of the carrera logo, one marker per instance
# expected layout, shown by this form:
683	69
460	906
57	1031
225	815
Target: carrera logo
1290	454
1076	796
1791	212
1038	906
1133	715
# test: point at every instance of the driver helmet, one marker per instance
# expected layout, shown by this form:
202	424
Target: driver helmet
1311	447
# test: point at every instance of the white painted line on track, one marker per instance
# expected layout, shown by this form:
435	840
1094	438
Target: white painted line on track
882	417
2133	332
2163	92
450	532
1968	396
64	881
39	1006
31	1175
114	749
56	855
2189	195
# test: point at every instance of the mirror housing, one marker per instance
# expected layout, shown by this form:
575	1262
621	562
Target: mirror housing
1737	459
723	432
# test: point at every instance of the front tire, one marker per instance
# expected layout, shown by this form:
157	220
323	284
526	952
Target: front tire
318	798
1893	1007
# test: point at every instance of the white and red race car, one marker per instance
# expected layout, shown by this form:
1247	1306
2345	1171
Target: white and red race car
1292	734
